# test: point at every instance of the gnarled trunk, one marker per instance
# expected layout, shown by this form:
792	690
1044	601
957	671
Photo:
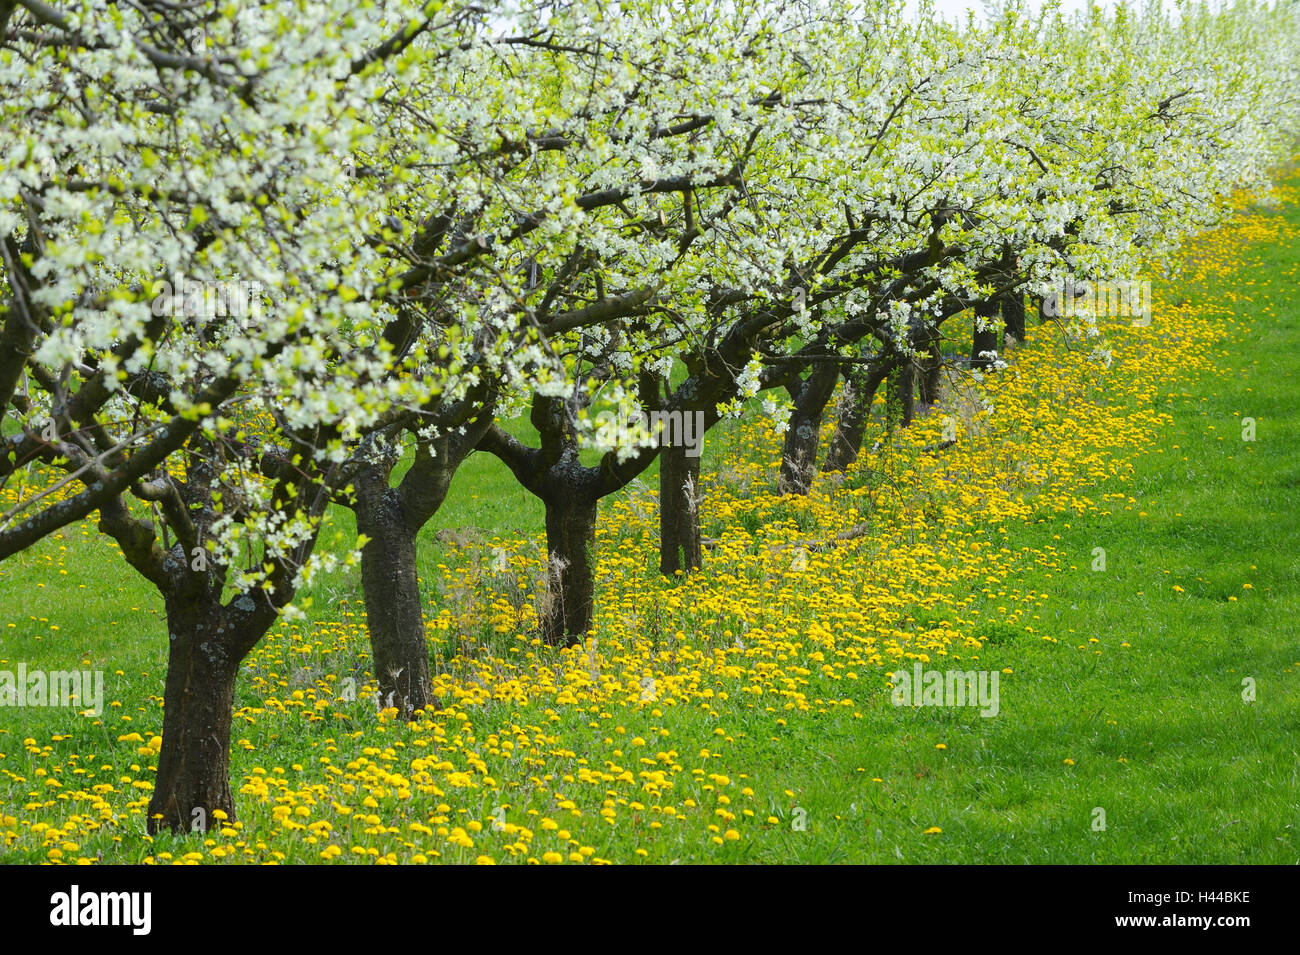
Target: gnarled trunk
799	453
198	702
394	613
985	340
929	380
679	516
859	392
900	398
571	493
391	517
1013	315
571	581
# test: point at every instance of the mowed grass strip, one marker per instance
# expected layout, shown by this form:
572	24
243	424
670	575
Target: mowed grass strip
1134	738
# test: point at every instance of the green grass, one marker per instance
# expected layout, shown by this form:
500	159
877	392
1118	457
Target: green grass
1206	776
1151	714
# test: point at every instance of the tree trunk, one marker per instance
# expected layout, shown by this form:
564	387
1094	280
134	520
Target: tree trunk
571	584
679	516
391	587
855	407
931	370
1013	315
799	454
198	701
571	493
900	399
986	339
391	517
